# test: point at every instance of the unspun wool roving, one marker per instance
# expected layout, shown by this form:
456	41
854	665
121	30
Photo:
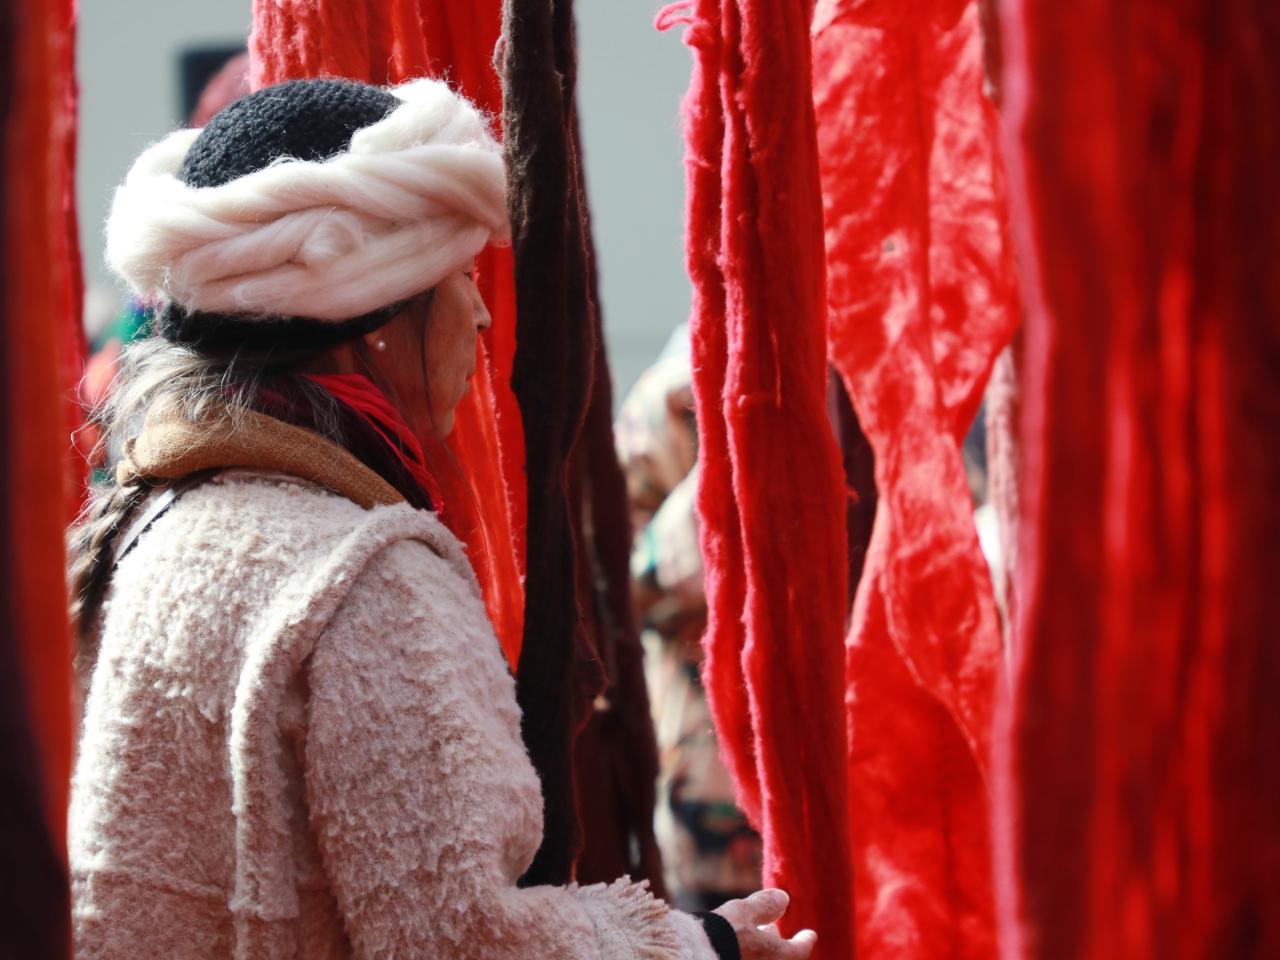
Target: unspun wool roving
330	235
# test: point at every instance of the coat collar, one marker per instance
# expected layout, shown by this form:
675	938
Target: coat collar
171	448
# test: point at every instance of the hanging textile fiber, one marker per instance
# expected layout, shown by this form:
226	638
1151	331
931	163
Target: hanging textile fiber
771	476
388	43
551	378
1140	804
616	752
922	298
41	478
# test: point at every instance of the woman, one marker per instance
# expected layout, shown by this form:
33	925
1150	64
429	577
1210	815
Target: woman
300	735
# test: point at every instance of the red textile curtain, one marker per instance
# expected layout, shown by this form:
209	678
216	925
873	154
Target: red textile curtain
1141	795
772	480
387	42
41	478
922	297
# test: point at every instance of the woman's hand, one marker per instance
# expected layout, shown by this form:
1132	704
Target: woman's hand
755	920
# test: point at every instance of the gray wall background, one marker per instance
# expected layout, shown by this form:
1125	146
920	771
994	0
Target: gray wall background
630	82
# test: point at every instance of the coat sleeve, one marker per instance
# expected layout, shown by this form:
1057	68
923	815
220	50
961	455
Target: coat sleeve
419	791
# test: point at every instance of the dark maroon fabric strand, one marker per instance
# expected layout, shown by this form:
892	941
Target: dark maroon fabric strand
551	379
616	754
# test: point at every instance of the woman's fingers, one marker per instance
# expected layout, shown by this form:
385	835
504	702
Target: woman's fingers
765	907
764	943
761	908
802	944
755	918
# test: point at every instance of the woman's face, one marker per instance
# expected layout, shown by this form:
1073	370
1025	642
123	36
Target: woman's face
457	315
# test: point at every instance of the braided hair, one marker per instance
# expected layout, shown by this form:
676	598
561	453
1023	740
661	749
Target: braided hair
161	378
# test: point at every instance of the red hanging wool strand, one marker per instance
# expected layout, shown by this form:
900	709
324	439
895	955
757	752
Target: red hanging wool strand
42	479
772	482
386	43
922	298
372	406
1139	803
719	533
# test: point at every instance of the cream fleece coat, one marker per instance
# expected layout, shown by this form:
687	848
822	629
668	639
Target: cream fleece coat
302	741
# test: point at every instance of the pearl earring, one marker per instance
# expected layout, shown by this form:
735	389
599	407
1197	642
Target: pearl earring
380	345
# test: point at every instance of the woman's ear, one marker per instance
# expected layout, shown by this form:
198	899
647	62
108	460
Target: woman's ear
376	340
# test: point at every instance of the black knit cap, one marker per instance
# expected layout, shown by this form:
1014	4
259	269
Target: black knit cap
300	119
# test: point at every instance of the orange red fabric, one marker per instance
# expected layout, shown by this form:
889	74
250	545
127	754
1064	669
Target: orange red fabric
387	42
44	359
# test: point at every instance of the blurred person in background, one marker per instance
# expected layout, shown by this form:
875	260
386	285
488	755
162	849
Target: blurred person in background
711	854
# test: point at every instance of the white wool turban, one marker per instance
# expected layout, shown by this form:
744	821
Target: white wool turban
414	199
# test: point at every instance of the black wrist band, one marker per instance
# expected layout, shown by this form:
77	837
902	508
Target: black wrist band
720	932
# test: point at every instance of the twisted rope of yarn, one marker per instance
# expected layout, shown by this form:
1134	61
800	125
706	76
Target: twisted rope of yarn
415	198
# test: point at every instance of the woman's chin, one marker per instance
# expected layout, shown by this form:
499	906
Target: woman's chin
443	425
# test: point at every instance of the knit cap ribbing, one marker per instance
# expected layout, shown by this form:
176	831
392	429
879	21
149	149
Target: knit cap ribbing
299	119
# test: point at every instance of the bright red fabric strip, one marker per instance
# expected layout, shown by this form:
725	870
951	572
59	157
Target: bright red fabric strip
385	43
1140	798
360	394
922	298
771	482
720	536
42	478
42	359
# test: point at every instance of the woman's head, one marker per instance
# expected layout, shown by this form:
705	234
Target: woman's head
316	216
308	213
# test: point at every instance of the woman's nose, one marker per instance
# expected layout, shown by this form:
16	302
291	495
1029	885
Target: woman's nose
483	320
